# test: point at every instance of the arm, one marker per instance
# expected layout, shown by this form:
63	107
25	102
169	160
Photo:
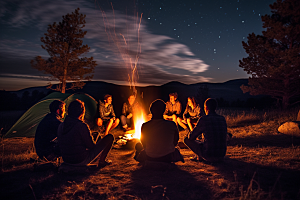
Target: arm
112	113
178	108
102	112
185	113
176	136
143	139
198	130
198	111
86	136
124	109
167	108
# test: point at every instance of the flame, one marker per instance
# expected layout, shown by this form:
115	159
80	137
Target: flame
136	133
137	127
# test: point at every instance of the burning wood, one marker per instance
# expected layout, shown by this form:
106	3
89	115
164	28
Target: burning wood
131	137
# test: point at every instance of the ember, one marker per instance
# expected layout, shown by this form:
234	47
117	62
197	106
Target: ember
131	137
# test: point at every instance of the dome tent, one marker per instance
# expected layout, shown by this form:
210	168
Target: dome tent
28	122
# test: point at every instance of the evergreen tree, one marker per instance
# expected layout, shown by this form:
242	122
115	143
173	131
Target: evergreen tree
63	42
274	56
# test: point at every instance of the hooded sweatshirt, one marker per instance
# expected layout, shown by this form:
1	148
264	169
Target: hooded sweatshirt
74	140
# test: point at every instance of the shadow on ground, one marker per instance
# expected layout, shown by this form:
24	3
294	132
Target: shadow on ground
29	184
273	182
171	184
266	140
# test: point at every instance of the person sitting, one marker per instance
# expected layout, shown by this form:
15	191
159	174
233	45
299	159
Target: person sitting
107	115
128	110
75	141
45	141
214	130
158	138
173	108
191	115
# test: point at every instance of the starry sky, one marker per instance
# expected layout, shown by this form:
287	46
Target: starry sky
188	41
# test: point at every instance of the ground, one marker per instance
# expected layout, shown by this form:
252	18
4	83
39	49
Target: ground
260	164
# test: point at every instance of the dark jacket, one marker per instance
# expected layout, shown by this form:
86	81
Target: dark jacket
127	108
75	140
214	129
106	113
45	133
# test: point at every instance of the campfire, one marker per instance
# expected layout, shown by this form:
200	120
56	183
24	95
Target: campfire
131	137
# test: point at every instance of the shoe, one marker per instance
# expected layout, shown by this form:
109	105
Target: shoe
102	164
194	159
181	158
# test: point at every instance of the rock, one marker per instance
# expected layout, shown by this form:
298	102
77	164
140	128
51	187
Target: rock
290	128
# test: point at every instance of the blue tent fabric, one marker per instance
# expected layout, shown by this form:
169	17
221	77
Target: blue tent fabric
28	122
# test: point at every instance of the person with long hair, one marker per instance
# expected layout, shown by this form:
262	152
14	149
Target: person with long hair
107	114
75	141
191	115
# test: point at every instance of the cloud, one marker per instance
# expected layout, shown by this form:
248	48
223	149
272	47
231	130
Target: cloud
117	42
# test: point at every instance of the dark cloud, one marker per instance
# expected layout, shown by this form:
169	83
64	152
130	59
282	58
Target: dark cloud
117	41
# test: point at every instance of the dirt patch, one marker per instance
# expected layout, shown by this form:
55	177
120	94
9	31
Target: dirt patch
249	171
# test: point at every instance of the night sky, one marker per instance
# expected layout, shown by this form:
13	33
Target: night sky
185	41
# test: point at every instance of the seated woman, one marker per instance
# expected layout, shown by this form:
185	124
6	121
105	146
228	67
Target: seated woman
107	115
75	141
191	115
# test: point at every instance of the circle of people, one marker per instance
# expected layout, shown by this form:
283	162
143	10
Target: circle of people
72	139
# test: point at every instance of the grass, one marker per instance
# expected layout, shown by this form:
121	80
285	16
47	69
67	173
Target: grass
260	164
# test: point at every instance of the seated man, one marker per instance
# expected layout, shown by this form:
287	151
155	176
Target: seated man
158	138
214	130
173	108
128	110
107	115
45	141
75	141
191	115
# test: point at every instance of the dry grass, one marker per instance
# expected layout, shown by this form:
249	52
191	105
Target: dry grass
260	164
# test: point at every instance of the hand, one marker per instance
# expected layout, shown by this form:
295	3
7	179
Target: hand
129	116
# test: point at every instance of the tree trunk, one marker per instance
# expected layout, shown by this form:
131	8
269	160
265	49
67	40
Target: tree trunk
64	81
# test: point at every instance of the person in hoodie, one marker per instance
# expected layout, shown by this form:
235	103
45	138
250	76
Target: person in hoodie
45	141
75	141
159	137
107	115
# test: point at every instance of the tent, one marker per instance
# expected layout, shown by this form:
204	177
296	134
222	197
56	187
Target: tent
27	124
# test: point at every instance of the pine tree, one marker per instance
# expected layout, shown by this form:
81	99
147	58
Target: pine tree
63	42
274	56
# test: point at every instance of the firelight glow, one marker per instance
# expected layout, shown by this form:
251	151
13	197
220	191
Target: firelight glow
138	126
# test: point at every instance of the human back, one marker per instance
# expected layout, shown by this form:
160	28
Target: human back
215	134
159	137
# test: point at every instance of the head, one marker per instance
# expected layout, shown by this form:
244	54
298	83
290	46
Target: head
76	109
108	98
157	108
173	97
58	107
131	99
210	105
191	102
